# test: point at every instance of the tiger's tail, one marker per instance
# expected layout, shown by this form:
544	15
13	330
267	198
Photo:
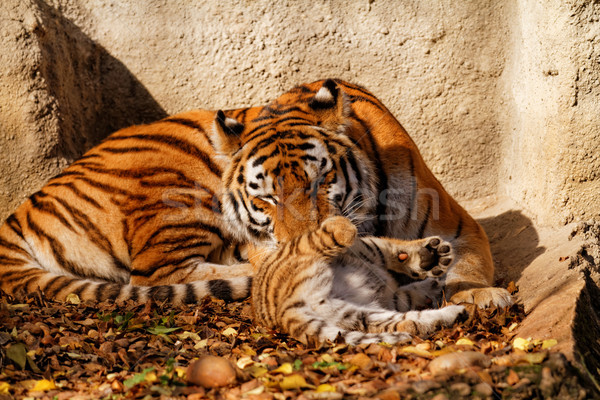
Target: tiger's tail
59	287
21	273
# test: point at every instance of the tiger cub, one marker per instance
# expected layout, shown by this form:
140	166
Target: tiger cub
329	282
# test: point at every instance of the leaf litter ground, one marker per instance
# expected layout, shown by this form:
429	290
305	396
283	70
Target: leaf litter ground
73	350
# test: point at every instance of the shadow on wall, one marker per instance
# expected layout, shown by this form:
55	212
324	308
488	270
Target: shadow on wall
514	242
95	93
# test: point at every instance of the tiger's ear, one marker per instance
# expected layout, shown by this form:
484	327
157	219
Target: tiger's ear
225	135
330	104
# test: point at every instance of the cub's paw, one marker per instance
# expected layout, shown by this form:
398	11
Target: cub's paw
425	322
419	295
484	297
341	230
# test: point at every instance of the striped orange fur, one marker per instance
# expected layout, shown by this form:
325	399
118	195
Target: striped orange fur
165	210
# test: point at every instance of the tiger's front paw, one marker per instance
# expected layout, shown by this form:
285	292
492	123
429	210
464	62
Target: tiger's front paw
341	229
484	297
429	257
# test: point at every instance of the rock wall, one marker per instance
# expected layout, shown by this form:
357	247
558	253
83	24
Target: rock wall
550	101
501	97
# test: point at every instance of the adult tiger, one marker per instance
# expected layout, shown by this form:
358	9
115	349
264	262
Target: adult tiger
161	210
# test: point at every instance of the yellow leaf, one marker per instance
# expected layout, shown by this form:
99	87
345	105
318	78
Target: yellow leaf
293	382
201	344
549	343
43	385
189	335
285	368
229	332
521	344
150	377
444	350
256	371
4	387
512	327
327	358
416	351
535	358
325	387
465	342
180	371
73	299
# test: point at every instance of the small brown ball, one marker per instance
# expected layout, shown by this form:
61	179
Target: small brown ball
211	372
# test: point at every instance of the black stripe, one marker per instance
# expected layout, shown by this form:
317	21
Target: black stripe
13	247
6	261
176	143
50	208
354	98
382	181
190	294
413	192
354	165
58	250
186	122
68	173
162	293
93	233
62	285
134	293
221	289
348	188
113	291
198	226
80	194
101	292
113	189
127	150
250	217
425	221
459	228
180	178
14	224
160	271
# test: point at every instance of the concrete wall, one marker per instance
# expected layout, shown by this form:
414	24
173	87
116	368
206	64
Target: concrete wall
501	97
550	97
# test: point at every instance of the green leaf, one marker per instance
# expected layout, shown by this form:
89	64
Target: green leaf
323	364
161	330
17	353
297	365
137	378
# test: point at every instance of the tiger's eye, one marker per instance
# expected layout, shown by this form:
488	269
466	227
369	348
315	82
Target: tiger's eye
402	256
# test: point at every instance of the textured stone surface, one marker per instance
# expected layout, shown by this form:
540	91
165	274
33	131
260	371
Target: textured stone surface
501	98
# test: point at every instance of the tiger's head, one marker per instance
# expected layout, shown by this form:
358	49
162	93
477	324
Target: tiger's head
293	166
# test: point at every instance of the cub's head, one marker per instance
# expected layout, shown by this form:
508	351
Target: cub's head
293	166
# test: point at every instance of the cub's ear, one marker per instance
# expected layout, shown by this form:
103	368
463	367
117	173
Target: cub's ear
330	104
225	135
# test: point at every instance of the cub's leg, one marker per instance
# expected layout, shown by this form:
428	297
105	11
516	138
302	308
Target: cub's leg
419	295
379	320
